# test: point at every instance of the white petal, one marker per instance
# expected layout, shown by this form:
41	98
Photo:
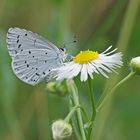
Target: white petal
84	74
90	71
74	71
93	68
107	49
102	65
111	52
68	71
100	70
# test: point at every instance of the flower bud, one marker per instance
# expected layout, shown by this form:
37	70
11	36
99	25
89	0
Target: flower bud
61	130
135	64
58	88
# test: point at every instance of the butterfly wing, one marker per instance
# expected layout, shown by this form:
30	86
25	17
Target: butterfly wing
19	40
33	56
34	65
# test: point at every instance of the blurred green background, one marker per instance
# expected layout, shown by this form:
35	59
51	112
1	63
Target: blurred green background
26	112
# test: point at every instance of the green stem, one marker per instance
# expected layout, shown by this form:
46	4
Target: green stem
91	94
68	117
130	75
74	121
74	91
84	113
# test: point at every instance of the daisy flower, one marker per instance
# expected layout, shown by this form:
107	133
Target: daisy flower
89	62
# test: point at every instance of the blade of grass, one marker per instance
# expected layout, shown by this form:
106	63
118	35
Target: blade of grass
122	44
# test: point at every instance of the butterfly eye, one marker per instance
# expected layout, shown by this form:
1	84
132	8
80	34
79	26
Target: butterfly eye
62	49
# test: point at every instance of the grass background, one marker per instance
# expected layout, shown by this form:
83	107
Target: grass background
26	112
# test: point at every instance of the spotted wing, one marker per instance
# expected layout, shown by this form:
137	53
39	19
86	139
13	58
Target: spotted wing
19	40
34	65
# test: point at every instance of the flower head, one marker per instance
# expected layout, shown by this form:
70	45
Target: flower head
89	62
61	130
135	64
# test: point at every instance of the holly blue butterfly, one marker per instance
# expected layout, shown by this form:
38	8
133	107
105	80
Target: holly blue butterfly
33	57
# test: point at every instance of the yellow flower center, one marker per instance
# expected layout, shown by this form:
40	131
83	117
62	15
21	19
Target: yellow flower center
85	57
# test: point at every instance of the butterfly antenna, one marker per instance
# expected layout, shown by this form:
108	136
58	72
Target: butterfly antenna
72	42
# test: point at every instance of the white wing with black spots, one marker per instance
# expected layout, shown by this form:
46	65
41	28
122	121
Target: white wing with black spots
19	40
34	65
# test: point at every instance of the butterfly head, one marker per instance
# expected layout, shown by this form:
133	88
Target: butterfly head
66	56
63	54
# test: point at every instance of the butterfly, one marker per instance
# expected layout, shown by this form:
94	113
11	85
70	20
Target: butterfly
33	57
